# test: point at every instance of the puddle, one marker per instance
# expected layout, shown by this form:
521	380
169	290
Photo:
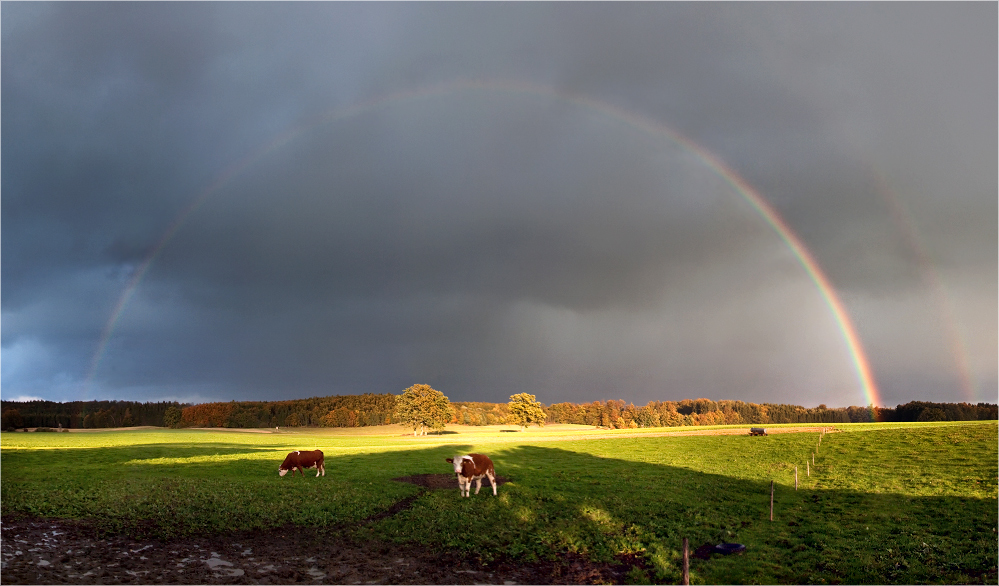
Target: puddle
216	561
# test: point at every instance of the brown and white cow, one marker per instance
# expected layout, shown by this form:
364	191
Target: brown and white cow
302	460
473	467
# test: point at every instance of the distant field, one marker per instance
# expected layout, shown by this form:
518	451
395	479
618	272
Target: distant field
885	503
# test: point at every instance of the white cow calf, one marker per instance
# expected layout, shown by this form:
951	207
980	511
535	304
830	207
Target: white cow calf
473	467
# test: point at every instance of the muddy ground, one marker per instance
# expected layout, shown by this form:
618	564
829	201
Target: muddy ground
59	551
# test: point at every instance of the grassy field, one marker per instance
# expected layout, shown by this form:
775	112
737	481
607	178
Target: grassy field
884	503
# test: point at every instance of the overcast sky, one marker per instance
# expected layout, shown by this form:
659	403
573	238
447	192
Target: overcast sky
263	201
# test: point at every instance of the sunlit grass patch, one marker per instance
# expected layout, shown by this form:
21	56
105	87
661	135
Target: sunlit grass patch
893	503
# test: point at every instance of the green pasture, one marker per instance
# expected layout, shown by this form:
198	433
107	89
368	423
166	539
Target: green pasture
884	503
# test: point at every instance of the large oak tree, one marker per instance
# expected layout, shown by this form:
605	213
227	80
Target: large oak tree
525	410
423	407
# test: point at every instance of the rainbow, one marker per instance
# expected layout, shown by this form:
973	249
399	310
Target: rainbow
931	278
634	120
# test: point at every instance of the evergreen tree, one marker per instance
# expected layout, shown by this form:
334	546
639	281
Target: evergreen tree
12	419
171	417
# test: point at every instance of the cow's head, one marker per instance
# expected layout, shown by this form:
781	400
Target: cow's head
282	471
460	462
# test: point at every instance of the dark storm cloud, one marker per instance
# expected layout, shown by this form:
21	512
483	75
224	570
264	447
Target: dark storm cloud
490	238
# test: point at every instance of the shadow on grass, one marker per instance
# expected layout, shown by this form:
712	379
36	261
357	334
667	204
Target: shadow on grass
561	502
557	502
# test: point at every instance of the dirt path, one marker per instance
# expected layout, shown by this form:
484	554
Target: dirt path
48	551
54	551
39	551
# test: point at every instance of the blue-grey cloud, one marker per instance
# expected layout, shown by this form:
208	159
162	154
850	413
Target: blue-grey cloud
495	238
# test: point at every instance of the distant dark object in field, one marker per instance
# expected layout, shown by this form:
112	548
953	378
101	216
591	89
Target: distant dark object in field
438	481
429	433
44	429
704	552
757	431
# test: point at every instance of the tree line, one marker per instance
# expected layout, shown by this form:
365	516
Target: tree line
378	409
335	411
617	414
82	414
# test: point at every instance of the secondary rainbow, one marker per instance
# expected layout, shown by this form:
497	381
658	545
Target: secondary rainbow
638	121
931	278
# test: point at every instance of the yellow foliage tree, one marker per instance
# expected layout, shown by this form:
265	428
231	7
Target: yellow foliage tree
422	407
525	410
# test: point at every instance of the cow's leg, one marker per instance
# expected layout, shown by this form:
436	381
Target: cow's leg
322	469
492	480
478	484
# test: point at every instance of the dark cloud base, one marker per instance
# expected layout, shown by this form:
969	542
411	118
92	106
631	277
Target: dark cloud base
495	240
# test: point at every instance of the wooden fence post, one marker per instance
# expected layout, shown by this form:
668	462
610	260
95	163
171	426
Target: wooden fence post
795	478
771	500
808	469
686	562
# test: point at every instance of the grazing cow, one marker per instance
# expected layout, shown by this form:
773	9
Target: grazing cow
302	460
473	467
